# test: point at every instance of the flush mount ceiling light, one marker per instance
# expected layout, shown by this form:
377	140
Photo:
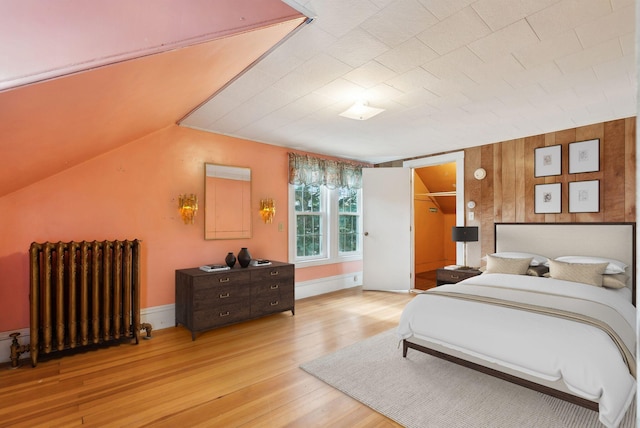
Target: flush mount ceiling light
361	111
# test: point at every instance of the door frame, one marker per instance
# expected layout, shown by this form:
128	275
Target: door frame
458	158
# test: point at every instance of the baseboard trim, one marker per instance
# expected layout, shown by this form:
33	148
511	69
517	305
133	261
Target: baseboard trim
164	316
319	286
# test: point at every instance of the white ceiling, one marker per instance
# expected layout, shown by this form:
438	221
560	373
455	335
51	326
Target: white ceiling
450	74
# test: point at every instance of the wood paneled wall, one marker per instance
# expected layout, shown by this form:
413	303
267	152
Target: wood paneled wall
507	192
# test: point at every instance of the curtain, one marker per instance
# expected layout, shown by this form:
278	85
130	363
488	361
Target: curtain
309	170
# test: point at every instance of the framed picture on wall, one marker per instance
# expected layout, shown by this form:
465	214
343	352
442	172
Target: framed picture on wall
548	198
548	161
584	196
584	156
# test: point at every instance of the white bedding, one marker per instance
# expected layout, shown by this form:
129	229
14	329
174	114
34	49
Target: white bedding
582	356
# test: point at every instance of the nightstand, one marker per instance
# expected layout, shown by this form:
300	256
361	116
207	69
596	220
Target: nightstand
450	276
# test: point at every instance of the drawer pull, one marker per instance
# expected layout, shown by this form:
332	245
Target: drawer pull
224	314
224	279
455	277
274	272
274	303
275	287
224	296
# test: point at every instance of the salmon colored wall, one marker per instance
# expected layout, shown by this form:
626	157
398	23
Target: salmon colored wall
131	193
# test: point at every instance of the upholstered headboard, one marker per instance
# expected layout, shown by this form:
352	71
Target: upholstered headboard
612	240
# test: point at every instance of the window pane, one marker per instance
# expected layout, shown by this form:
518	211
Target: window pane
348	200
309	237
307	198
348	233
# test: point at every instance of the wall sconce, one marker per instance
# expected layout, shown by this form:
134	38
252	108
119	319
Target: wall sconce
267	209
188	207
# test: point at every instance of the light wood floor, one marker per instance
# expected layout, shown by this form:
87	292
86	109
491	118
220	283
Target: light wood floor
245	375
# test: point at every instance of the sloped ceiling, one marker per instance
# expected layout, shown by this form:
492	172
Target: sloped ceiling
110	98
438	179
450	74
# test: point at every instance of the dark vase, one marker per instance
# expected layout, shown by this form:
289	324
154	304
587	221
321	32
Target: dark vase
230	260
244	258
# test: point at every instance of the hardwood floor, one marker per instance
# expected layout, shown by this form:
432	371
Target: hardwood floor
238	376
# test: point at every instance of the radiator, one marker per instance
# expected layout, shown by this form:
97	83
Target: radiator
82	294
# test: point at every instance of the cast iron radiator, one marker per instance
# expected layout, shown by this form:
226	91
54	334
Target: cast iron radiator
82	294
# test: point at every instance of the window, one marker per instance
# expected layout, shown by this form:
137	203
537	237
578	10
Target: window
348	220
326	224
310	224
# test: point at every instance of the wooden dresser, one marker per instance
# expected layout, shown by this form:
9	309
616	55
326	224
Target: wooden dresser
209	300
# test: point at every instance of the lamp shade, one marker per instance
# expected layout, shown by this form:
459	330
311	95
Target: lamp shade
464	234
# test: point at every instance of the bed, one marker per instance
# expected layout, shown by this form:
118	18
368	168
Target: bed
535	318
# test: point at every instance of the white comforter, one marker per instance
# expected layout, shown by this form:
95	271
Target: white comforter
583	356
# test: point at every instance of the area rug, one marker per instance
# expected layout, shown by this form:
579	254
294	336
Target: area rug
424	391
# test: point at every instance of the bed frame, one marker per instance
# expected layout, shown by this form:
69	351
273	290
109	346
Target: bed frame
612	240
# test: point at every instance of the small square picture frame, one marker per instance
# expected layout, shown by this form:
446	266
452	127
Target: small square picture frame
584	156
548	161
584	196
548	198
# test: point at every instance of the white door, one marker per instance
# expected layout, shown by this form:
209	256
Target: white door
386	218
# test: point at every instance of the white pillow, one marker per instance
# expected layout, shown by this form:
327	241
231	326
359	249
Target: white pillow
614	266
536	260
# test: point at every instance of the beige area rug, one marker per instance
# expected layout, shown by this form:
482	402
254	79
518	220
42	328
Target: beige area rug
427	392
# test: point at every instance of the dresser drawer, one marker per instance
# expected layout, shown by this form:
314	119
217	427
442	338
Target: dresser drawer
267	304
221	315
206	296
451	276
223	278
270	274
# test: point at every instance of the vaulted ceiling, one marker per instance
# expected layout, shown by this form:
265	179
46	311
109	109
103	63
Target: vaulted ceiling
78	80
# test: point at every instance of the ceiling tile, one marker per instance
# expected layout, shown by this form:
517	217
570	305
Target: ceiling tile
338	17
399	21
621	22
341	90
498	69
453	64
415	78
594	55
567	81
309	41
567	15
381	95
356	48
543	73
407	55
545	51
311	75
455	31
498	14
442	9
416	98
370	74
505	41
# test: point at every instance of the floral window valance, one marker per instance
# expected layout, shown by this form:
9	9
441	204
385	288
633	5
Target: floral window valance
304	169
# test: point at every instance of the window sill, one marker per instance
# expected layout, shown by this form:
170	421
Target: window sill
332	261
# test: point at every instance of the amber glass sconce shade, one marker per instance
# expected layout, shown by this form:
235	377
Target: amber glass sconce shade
267	209
188	207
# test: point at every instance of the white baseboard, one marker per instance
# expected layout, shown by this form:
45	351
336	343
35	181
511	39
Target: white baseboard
327	285
164	316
